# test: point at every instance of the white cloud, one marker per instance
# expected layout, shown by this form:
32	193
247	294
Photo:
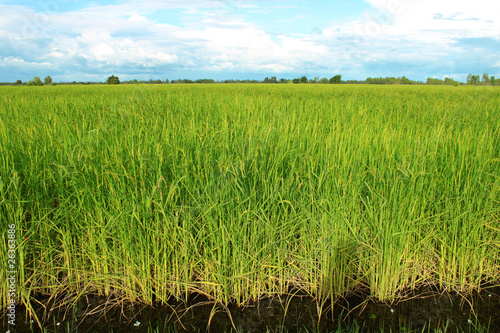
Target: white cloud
16	62
419	36
112	36
246	5
121	38
251	49
451	18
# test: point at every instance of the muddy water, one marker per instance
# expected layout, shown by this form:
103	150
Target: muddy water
420	309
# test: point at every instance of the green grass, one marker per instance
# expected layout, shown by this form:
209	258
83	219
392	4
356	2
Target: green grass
240	191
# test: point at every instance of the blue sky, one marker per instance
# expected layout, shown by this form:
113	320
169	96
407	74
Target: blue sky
232	39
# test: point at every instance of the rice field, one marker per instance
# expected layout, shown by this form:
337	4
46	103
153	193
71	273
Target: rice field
242	191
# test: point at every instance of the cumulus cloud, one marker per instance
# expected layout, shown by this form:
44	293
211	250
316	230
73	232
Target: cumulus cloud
111	37
424	36
396	37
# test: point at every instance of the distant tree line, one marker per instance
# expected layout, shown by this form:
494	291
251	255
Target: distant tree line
333	80
485	80
337	79
36	81
447	81
391	80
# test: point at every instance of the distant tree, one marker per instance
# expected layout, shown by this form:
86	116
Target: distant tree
113	80
35	82
473	79
486	79
282	80
182	81
336	79
404	80
296	80
18	83
48	80
354	81
449	81
434	81
272	79
204	81
492	80
303	79
469	79
399	80
324	81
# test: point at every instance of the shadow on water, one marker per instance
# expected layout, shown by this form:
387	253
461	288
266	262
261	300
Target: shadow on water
420	311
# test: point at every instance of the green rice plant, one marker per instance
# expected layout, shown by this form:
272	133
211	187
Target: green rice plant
243	191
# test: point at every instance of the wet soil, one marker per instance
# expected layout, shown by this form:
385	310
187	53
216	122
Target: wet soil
421	309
